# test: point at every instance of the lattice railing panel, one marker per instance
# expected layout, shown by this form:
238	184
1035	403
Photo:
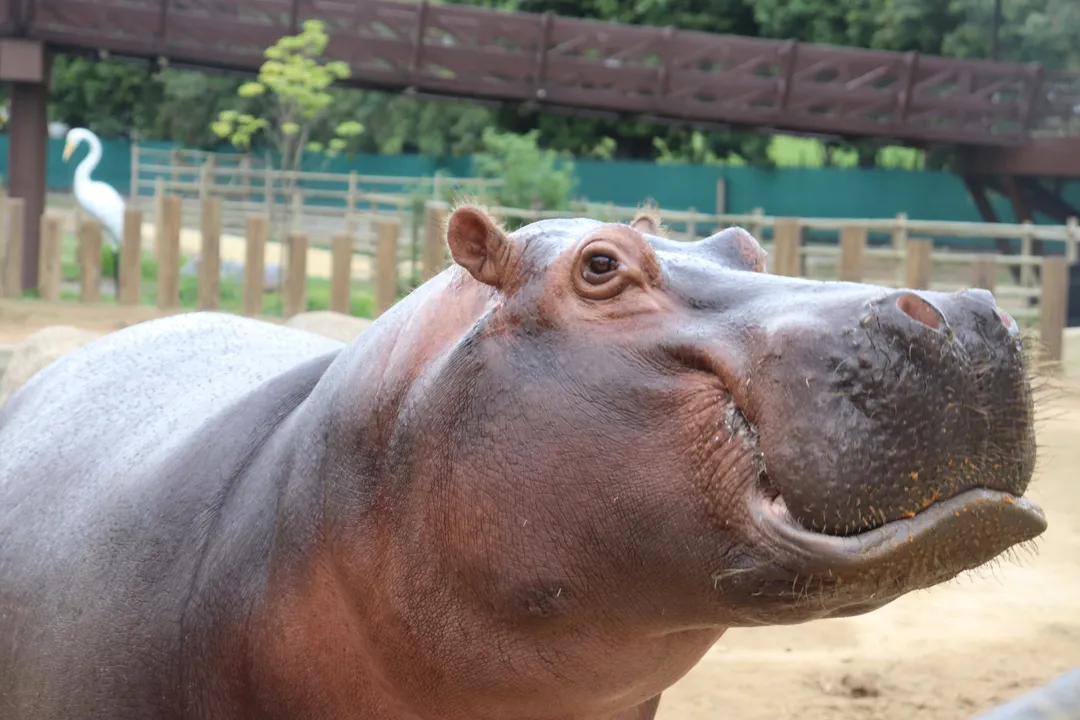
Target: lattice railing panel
588	65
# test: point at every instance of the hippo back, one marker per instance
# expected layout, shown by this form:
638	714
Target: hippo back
115	460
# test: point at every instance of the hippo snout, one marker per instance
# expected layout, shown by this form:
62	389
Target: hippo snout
873	408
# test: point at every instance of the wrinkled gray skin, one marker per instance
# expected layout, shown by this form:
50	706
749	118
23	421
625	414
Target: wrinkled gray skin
540	488
1059	699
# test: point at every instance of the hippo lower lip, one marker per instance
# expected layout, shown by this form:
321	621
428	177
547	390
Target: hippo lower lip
998	520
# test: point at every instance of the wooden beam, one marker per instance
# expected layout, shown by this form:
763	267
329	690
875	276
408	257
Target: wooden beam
341	273
210	255
296	276
852	252
787	243
434	241
90	260
49	267
131	258
257	230
386	273
919	263
168	252
13	236
1053	307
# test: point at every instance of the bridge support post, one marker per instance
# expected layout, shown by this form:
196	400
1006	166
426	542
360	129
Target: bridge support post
26	66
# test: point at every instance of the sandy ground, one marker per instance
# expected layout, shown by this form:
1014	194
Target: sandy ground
945	653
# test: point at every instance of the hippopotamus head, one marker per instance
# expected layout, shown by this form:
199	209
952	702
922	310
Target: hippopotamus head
617	436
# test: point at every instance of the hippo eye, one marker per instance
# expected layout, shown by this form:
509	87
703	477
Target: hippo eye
599	266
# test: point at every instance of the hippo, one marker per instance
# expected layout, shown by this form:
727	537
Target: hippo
1058	699
540	487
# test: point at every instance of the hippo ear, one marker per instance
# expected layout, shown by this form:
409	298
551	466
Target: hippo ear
646	222
477	244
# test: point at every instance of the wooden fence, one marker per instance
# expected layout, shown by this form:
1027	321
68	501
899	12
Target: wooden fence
248	185
904	260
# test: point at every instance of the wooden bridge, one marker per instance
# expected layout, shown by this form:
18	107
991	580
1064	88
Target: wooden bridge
1014	120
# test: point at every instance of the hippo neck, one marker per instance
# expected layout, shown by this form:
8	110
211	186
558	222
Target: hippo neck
340	589
375	583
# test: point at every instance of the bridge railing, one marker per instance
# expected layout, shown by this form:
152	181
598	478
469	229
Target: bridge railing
659	73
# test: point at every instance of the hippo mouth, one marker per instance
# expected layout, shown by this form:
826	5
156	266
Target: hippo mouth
860	571
953	534
972	527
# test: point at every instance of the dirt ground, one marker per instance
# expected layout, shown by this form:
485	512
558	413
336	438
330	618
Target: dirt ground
941	654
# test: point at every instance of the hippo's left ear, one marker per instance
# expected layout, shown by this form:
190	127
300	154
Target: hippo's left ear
478	244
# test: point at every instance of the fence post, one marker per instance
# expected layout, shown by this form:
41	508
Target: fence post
168	232
15	221
985	272
269	191
1053	307
49	260
159	213
852	252
787	243
757	225
134	190
919	254
210	255
297	212
255	232
174	169
89	233
206	177
350	203
296	276
899	244
1027	245
386	272
434	244
245	175
1072	232
341	273
131	258
691	226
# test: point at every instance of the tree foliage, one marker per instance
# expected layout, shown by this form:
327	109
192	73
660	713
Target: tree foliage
531	176
294	84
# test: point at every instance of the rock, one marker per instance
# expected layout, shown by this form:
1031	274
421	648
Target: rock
234	270
861	685
5	356
331	324
37	351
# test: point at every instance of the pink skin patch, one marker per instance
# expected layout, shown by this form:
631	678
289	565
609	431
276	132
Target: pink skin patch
919	310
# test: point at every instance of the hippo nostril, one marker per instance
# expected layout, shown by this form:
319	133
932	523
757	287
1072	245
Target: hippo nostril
919	310
1006	318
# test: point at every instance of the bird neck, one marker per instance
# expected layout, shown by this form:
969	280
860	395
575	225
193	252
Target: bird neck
82	172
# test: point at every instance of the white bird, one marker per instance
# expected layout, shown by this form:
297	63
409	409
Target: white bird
99	199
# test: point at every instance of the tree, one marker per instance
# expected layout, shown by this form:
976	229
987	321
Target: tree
531	176
289	102
112	99
296	82
292	94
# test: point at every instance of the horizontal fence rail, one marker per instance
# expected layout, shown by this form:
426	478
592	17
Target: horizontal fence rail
192	253
659	73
